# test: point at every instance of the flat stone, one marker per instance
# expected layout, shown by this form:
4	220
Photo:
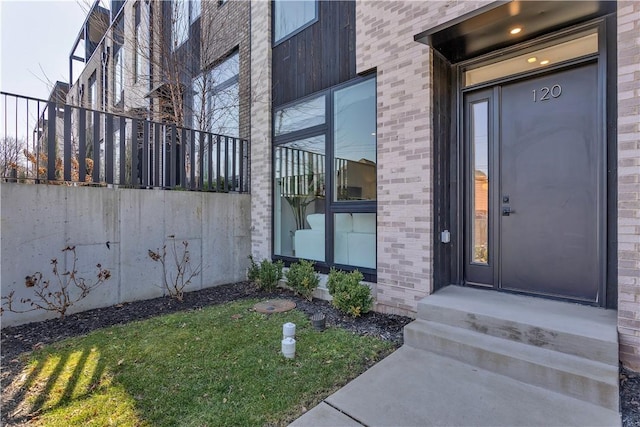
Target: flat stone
274	306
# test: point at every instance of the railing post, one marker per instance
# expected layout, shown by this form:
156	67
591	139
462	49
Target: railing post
182	158
248	167
226	164
95	176
123	151
82	145
241	171
51	141
192	160
233	165
108	140
218	142
210	165
172	157
156	157
201	154
145	153
67	143
134	153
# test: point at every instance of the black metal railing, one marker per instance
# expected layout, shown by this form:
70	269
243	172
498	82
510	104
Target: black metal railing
49	142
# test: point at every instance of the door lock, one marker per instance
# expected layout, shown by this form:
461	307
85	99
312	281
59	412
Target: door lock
506	211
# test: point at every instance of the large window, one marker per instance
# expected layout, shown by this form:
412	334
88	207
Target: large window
137	48
92	95
179	23
196	8
289	16
215	108
118	74
216	97
325	177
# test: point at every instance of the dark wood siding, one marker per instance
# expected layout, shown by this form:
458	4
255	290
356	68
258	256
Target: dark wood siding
318	57
442	145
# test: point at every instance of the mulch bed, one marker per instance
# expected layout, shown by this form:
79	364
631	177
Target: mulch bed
25	338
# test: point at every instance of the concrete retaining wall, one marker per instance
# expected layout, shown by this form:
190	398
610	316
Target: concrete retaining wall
38	221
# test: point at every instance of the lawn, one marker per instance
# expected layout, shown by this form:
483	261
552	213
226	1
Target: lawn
220	365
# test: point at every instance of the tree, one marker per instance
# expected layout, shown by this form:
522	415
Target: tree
12	161
177	68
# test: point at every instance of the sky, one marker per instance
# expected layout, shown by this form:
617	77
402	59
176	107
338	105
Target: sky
36	38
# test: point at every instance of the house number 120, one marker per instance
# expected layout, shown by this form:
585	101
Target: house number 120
545	93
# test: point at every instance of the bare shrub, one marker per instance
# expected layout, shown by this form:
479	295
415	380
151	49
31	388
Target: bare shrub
59	294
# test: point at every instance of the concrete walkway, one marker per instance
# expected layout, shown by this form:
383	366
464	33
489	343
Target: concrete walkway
417	388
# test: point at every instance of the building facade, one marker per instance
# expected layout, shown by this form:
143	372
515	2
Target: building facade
503	154
183	62
426	144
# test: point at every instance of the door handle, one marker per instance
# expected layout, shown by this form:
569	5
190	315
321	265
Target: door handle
506	211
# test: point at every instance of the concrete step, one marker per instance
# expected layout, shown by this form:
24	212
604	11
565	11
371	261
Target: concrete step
587	332
577	377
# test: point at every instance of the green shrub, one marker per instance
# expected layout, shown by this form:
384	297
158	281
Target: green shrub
254	270
266	274
302	278
349	295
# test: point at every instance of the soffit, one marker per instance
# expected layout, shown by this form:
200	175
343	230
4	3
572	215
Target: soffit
488	29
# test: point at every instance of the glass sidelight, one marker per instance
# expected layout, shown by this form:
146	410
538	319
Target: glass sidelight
479	187
479	170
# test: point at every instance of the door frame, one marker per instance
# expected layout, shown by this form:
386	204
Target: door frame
454	164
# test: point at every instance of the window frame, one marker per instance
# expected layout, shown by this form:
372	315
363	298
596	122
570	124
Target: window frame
118	75
276	42
215	89
175	43
331	206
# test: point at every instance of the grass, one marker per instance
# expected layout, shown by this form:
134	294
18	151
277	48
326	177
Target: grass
217	366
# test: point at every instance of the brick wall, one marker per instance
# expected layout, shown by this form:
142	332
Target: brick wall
629	182
384	40
224	28
261	185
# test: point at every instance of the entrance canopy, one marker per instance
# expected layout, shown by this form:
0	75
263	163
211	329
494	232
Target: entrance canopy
502	24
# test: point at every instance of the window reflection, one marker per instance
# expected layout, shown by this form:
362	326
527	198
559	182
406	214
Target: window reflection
355	142
303	206
289	15
480	189
300	116
299	205
215	106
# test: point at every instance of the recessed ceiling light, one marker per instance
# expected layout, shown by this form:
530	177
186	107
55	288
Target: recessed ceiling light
532	60
545	62
515	30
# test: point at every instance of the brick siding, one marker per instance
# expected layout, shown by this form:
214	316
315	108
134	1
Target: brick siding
226	27
384	40
629	182
261	178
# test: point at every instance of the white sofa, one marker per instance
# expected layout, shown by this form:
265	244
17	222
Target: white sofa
354	239
309	243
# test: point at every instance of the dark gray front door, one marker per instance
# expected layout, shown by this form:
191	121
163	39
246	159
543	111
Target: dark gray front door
544	193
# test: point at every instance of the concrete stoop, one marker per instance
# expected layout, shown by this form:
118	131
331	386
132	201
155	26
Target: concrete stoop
482	358
565	348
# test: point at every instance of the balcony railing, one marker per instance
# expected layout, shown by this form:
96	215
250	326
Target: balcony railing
48	142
